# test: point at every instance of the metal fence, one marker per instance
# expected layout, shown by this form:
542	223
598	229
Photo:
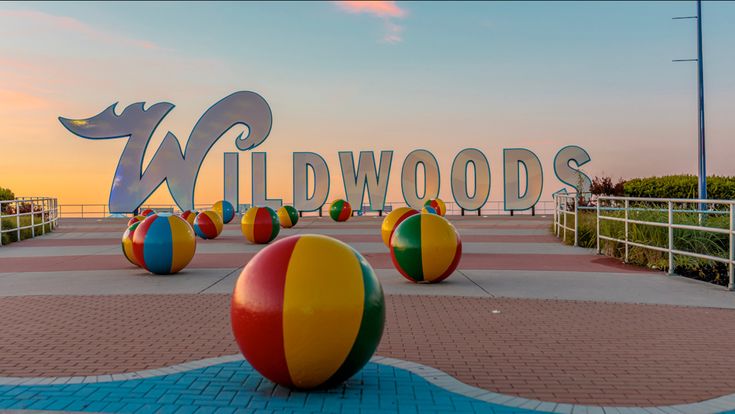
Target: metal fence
28	213
490	208
698	217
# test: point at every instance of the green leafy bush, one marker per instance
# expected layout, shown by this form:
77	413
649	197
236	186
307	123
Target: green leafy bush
6	194
680	186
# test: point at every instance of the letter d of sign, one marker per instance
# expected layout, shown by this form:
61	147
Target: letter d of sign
131	185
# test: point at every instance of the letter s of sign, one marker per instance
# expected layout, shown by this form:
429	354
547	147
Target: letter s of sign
131	185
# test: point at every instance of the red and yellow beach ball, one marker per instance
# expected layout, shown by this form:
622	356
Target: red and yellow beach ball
164	244
288	216
438	205
147	212
208	224
426	248
225	210
305	322
189	216
127	243
136	219
392	220
260	225
340	210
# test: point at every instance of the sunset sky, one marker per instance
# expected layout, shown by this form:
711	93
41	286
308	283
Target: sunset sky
367	76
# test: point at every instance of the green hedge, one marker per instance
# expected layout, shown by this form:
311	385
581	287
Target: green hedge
680	186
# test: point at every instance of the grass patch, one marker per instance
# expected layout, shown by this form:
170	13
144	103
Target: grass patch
10	223
695	241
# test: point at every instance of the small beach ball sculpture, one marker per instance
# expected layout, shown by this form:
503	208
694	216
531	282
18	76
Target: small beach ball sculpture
260	225
340	210
135	219
392	220
288	216
147	212
208	224
438	205
164	244
225	210
428	210
127	243
189	216
426	248
308	312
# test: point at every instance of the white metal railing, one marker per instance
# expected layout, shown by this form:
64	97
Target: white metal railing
42	211
720	214
490	208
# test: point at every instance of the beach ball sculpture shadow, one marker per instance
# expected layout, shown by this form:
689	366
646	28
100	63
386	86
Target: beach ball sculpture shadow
225	210
305	322
288	216
438	205
340	210
425	248
127	243
392	220
260	225
208	224
163	244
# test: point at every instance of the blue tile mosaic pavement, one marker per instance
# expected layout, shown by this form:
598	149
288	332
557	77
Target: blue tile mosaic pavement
236	387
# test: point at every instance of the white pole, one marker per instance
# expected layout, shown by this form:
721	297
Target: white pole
732	247
576	220
627	203
671	238
598	225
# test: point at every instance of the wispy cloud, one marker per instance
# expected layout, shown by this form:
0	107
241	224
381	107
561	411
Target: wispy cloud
70	24
385	10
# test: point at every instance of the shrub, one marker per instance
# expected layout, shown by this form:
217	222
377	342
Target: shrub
604	186
680	186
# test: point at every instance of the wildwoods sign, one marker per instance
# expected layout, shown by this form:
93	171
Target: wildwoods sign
132	185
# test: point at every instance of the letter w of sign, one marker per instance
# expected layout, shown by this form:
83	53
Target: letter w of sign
131	185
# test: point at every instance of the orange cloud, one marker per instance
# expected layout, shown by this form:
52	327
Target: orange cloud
377	8
70	24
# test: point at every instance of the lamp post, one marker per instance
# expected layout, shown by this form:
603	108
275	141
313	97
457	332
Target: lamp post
702	156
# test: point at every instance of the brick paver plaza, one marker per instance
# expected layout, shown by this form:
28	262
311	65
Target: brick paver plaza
525	325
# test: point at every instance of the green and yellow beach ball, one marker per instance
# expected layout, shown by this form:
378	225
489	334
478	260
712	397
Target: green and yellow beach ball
305	322
288	216
426	248
392	220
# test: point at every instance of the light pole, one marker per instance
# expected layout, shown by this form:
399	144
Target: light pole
702	156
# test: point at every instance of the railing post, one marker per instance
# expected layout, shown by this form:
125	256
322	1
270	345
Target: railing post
565	219
731	266
597	218
556	223
33	218
82	211
671	238
43	216
627	204
17	219
576	220
1	223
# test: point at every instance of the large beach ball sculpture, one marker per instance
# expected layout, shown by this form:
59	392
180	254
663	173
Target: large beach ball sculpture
208	224
308	312
189	216
225	210
260	225
438	205
135	219
426	248
164	244
288	216
340	210
127	243
392	220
